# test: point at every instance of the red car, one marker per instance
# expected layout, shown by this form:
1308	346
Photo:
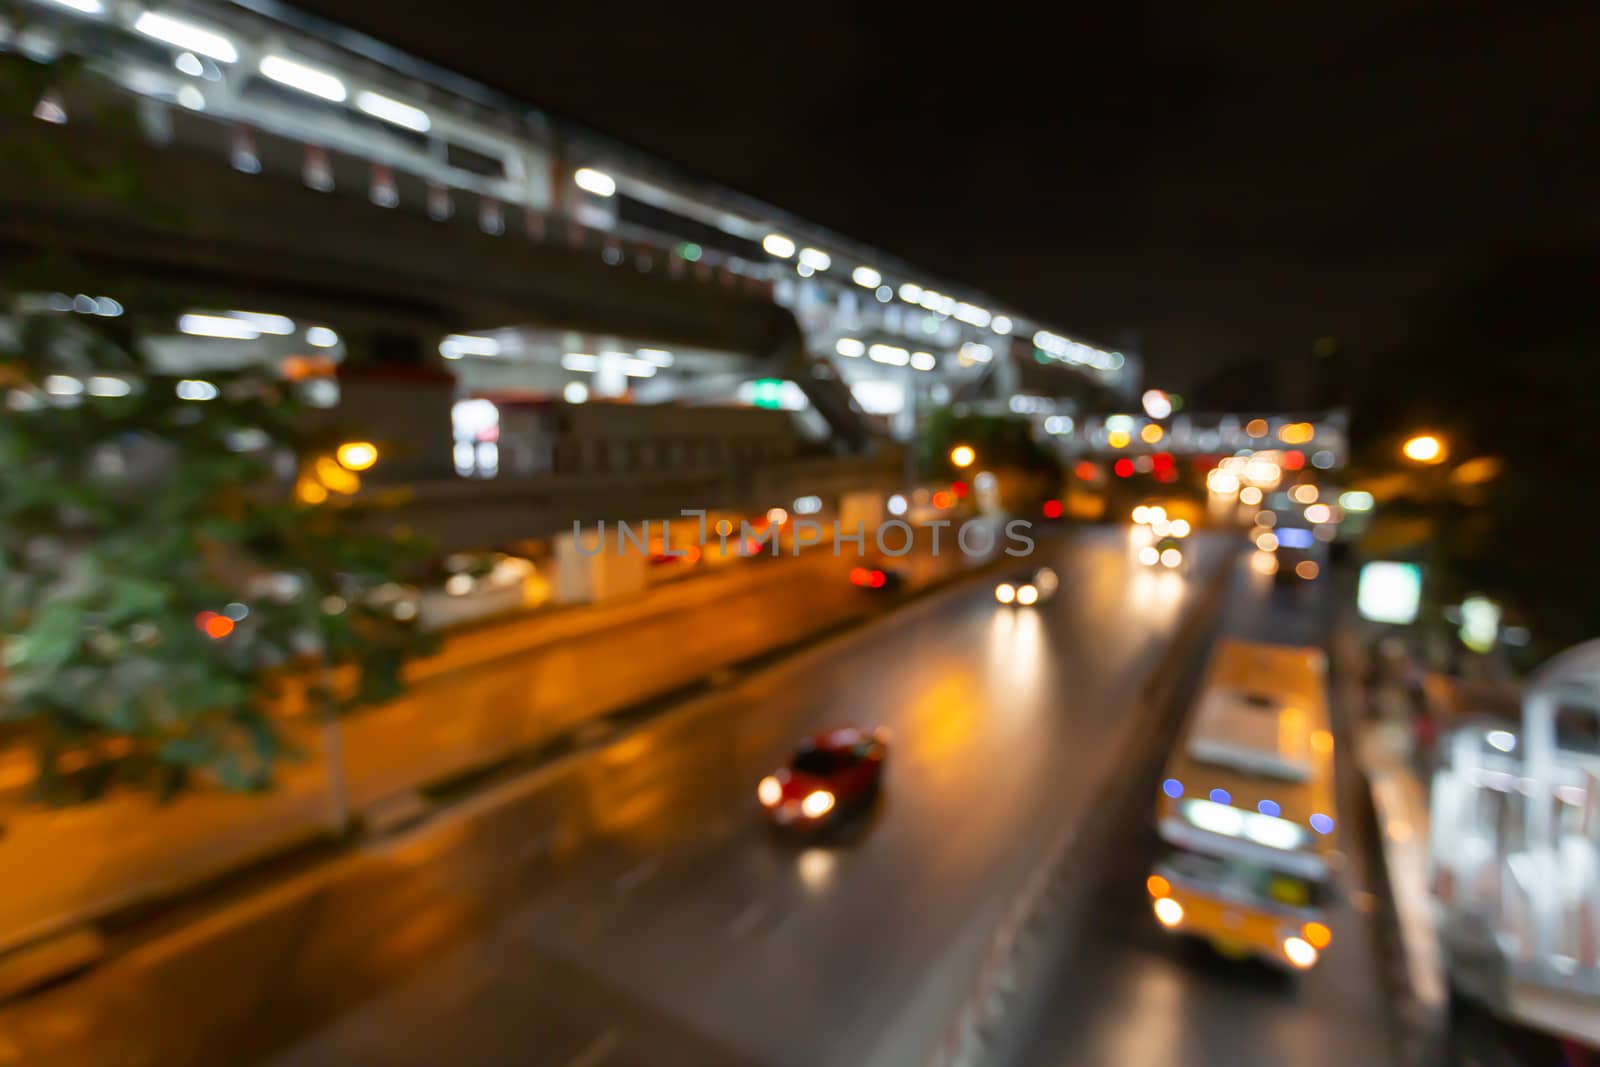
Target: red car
831	773
881	577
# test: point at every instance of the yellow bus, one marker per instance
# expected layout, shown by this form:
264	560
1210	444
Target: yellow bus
1246	809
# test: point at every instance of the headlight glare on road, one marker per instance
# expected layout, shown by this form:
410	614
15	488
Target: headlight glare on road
769	792
817	803
1169	912
1027	595
1005	592
1299	953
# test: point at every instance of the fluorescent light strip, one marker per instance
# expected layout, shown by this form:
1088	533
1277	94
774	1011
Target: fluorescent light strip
307	79
280	325
594	181
83	7
393	111
217	326
185	35
467	344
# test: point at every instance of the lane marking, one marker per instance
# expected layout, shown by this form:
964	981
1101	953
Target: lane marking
747	918
536	846
597	1050
636	876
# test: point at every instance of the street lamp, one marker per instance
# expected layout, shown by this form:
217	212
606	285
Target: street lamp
1157	404
357	455
962	455
1424	448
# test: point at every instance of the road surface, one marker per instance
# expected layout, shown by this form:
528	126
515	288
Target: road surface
1126	992
696	936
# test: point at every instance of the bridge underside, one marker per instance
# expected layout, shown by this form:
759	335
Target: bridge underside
88	201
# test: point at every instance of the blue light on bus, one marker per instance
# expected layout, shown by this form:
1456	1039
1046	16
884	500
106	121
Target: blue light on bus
1321	823
1293	537
1220	796
1269	807
1173	788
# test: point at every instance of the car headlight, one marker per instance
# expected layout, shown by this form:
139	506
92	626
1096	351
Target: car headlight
1299	952
769	792
1268	830
1027	595
1215	818
1005	592
1168	911
1171	558
1273	832
817	803
1149	555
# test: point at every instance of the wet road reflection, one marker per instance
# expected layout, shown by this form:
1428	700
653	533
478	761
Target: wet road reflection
1129	993
849	949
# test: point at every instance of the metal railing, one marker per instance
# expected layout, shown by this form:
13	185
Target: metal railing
1515	843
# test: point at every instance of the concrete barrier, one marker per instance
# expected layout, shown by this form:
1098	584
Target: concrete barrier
323	935
493	691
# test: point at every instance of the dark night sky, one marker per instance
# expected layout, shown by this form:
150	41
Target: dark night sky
1220	187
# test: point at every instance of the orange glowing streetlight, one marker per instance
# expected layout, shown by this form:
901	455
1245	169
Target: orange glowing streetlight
357	455
1424	448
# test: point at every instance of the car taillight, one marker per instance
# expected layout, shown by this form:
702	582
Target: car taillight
859	576
878	578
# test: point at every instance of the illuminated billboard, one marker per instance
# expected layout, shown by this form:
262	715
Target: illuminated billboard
1389	592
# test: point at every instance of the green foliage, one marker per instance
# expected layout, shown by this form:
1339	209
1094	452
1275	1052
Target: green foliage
123	519
999	441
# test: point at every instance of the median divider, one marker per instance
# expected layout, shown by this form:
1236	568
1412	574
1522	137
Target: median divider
1015	957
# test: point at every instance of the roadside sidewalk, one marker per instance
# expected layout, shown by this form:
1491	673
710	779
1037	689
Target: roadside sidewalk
1442	1024
1384	736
